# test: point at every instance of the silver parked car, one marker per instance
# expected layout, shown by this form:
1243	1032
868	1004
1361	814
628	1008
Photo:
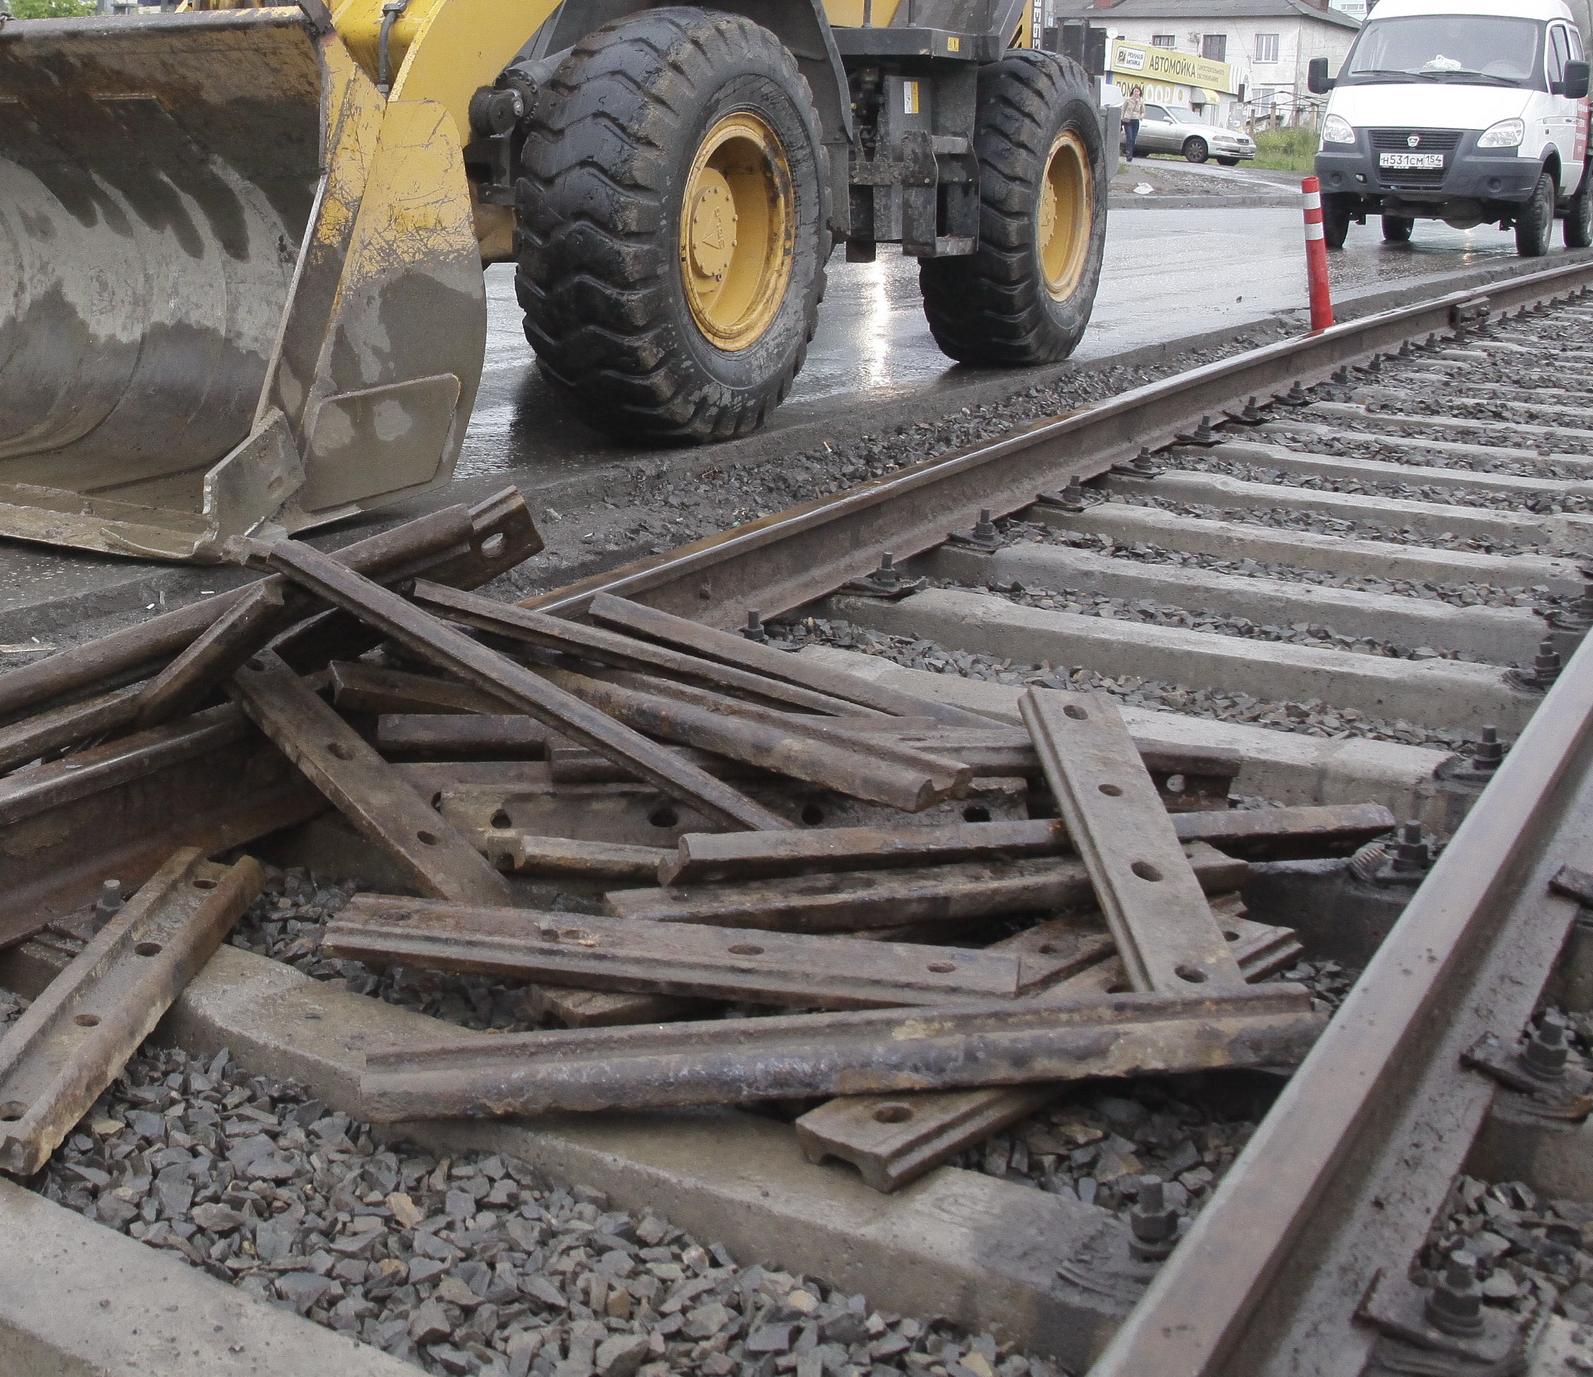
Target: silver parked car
1174	129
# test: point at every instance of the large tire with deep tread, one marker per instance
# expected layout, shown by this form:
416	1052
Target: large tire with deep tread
992	308
1535	221
598	211
1578	227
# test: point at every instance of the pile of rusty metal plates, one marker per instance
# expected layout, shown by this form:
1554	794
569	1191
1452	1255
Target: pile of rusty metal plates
916	921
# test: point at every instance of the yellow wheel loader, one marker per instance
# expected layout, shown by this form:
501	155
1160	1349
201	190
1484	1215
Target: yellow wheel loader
241	248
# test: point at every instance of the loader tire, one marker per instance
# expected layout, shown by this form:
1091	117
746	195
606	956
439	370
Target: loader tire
672	225
1025	295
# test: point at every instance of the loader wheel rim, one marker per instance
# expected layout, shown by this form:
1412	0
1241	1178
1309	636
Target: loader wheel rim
1063	215
737	231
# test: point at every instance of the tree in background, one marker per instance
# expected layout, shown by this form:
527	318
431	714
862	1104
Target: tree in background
50	9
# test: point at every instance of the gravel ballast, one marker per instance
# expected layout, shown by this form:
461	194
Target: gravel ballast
469	1265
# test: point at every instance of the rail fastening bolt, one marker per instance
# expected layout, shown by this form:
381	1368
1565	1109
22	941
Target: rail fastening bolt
984	528
1454	1306
1411	855
1545	664
1152	1222
1488	754
110	900
888	574
754	629
1546	1053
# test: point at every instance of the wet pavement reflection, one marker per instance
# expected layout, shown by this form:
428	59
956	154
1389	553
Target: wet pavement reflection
1168	273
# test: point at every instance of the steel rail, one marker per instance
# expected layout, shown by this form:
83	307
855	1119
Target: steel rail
1339	1185
792	557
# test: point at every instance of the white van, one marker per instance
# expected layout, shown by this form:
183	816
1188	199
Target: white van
1466	111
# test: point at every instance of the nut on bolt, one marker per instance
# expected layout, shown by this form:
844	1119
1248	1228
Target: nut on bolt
754	629
1454	1305
1488	754
1152	1222
110	900
1546	1052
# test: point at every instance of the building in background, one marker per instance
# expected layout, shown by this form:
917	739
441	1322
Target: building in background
1266	46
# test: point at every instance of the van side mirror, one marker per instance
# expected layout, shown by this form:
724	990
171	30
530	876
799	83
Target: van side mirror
1317	80
1575	81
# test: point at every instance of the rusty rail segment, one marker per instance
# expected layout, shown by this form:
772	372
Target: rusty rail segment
1261	833
363	786
74	1039
513	685
1276	1275
794	556
794	970
742	1060
456	544
894	1140
1165	932
945	894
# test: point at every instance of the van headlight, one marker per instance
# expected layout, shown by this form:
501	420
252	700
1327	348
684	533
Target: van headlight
1336	129
1505	134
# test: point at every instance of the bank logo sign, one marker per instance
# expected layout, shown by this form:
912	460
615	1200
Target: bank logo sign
1170	66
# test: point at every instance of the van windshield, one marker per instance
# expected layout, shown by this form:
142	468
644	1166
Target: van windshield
1483	49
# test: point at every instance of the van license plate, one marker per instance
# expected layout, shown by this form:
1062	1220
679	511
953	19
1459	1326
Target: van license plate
1411	161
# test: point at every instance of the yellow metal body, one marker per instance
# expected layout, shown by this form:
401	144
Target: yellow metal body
240	286
245	288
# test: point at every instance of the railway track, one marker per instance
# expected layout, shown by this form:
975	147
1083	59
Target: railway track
1359	562
1372	583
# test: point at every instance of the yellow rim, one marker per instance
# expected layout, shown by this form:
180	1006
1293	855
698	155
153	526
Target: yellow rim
1063	225
736	231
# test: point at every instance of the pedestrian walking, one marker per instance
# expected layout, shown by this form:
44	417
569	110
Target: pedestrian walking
1133	112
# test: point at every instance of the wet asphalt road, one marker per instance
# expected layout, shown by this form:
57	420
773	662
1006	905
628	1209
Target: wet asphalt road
1168	273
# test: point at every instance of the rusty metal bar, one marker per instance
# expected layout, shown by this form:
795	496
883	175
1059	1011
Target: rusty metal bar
339	762
121	809
490	537
214	655
514	685
865	899
713	644
474	793
1253	833
358	687
1164	928
44	732
665	958
456	736
74	1039
1200	776
510	622
577	765
577	860
894	1140
804	748
732	1061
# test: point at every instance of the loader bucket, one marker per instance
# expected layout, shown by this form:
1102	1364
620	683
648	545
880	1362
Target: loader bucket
238	290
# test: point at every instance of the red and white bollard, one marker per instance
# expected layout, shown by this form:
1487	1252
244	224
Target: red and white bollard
1316	267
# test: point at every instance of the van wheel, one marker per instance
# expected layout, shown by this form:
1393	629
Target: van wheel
1335	221
1195	150
1578	229
1396	229
1535	220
